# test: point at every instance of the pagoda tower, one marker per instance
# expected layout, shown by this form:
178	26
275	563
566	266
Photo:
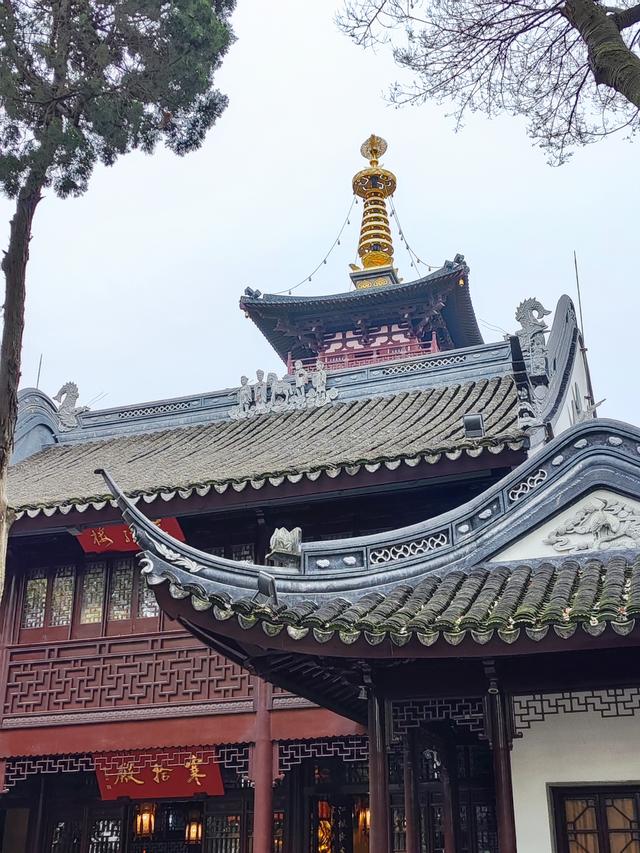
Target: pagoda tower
375	247
382	319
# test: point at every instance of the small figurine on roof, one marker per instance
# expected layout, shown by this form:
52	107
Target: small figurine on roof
302	378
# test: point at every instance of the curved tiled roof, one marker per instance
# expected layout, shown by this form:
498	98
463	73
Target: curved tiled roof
590	592
456	582
411	426
363	296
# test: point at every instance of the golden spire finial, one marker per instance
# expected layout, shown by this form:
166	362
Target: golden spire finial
374	185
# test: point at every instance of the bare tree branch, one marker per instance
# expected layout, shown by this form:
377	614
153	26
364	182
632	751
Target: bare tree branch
625	18
611	61
570	66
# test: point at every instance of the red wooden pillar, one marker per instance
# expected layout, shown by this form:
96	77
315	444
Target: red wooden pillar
501	748
36	830
451	809
378	777
410	779
263	773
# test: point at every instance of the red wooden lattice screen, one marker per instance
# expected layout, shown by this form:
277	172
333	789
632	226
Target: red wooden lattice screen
117	674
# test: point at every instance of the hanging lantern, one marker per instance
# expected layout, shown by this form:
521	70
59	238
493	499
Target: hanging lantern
145	821
193	827
364	817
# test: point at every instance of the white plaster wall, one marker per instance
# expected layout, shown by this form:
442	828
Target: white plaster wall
568	749
566	414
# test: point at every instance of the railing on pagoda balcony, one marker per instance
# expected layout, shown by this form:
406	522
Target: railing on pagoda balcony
362	356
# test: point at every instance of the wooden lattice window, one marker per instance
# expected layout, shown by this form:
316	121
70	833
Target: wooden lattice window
88	829
121	591
278	832
230	829
35	599
597	820
105	834
92	593
66	835
92	599
47	602
243	552
62	590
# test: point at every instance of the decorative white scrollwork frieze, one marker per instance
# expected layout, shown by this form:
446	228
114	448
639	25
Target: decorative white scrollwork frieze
525	486
414	548
612	702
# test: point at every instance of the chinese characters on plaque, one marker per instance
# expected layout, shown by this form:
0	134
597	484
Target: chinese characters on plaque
118	537
171	773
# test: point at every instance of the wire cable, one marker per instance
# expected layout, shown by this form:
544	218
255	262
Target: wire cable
335	243
493	328
415	260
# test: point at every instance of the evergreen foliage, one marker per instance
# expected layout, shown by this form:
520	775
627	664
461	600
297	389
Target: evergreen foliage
83	81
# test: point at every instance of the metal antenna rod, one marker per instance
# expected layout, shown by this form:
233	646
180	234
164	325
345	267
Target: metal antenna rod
591	400
39	369
575	263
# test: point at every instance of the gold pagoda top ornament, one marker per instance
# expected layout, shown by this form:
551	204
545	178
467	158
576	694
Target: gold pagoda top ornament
374	185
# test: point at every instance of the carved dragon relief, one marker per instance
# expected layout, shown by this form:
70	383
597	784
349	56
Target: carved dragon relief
68	412
600	525
530	314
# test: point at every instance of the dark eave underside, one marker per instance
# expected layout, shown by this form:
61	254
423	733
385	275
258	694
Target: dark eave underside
270	313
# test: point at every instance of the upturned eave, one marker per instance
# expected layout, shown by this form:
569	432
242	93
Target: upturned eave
433	585
281	318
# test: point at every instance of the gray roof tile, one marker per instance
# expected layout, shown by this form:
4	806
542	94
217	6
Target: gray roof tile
344	434
589	591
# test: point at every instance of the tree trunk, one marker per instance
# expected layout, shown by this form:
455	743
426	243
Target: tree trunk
14	266
612	62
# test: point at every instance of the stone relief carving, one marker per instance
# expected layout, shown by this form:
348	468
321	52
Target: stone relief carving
530	314
68	412
528	415
307	390
285	547
600	525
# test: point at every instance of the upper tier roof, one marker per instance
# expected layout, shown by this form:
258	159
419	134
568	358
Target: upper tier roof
279	316
409	426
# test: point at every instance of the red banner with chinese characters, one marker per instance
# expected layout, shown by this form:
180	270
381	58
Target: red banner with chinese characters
155	775
118	537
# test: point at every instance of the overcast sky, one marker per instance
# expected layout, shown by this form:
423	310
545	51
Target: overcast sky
133	289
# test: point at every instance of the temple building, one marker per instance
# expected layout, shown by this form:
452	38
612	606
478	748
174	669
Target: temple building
383	603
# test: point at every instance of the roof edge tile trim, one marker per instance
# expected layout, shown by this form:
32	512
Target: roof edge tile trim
462	611
452	592
202	489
